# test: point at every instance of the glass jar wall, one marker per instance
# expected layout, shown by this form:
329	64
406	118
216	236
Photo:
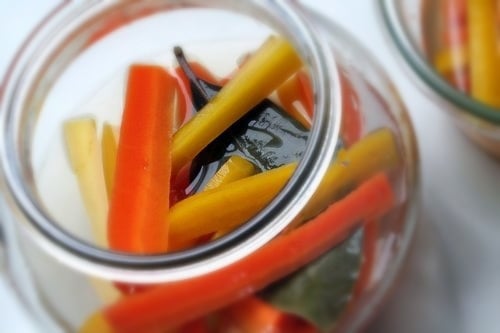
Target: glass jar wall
259	173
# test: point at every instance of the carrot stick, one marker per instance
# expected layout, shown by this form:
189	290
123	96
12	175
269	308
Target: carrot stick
452	56
252	315
84	156
270	66
139	203
233	204
85	159
109	148
236	167
229	205
172	304
483	53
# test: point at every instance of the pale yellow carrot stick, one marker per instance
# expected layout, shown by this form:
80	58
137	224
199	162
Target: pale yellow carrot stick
84	155
109	148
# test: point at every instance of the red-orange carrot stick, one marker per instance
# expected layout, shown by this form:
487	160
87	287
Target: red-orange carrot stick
172	304
252	315
139	202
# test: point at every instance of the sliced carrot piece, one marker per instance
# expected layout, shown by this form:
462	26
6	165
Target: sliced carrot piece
233	204
139	204
235	168
451	59
484	57
85	159
252	315
229	205
109	149
172	304
270	66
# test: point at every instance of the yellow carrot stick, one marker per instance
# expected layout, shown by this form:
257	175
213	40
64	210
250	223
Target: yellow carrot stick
376	152
109	148
84	155
85	158
235	168
274	62
232	204
484	58
229	205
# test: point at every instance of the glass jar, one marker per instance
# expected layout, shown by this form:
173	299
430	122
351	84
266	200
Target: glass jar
324	222
430	37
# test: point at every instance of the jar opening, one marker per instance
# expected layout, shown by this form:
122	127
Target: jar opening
81	27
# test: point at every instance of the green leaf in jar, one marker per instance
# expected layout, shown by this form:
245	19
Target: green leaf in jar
320	291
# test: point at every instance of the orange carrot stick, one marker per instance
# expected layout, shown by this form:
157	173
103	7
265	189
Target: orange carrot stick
139	202
252	315
172	304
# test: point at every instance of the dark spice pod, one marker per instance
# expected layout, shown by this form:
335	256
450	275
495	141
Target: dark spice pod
266	136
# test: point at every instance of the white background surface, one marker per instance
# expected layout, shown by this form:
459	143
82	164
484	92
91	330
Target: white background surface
451	281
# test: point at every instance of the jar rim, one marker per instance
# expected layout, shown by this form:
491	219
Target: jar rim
392	19
203	259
